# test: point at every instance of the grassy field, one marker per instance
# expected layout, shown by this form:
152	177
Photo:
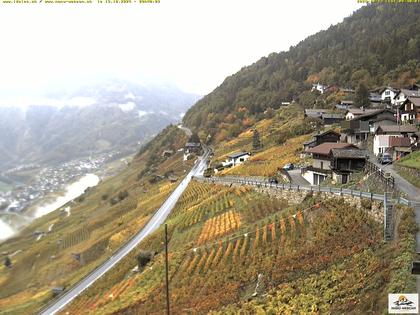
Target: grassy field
412	160
234	251
409	168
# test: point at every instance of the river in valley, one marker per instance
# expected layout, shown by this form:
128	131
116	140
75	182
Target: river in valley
9	228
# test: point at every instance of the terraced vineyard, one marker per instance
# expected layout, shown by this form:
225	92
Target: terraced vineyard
243	245
267	162
104	218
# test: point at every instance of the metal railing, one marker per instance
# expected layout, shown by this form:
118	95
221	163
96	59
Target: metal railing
388	180
332	190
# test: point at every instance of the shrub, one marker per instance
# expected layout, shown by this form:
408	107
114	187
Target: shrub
143	258
122	195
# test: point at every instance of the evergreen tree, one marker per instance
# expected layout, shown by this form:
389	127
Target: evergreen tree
362	96
256	143
7	262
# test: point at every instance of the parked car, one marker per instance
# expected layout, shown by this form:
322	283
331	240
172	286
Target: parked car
288	167
385	158
273	180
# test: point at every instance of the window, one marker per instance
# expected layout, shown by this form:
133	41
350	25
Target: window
387	93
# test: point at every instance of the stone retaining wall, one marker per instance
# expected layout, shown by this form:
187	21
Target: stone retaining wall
297	197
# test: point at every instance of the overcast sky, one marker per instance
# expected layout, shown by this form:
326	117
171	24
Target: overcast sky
193	43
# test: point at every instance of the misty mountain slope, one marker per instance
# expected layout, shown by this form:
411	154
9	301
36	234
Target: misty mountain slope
120	116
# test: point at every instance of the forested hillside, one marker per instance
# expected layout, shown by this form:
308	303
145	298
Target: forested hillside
377	45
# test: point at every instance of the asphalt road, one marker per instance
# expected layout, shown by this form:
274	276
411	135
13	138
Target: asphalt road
186	130
158	218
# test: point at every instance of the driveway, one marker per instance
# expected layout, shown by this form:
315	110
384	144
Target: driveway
297	178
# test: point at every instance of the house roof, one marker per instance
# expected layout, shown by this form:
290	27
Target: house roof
315	112
332	115
373	113
343	106
326	147
238	154
318	135
349	153
378	89
407	92
389	88
325	133
397	129
414	100
360	111
399	142
192	144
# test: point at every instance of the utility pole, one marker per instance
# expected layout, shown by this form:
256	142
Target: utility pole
385	213
167	270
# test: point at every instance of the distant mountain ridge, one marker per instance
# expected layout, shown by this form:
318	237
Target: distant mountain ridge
119	115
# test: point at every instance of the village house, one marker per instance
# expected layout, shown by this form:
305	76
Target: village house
344	105
404	94
319	87
388	94
192	147
385	139
317	139
321	165
375	97
346	161
315	113
236	159
329	119
352	113
401	146
380	117
409	111
355	132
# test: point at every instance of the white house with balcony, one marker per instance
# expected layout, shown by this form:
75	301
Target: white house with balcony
388	94
236	159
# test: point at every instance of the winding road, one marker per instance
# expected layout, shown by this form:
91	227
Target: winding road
158	218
